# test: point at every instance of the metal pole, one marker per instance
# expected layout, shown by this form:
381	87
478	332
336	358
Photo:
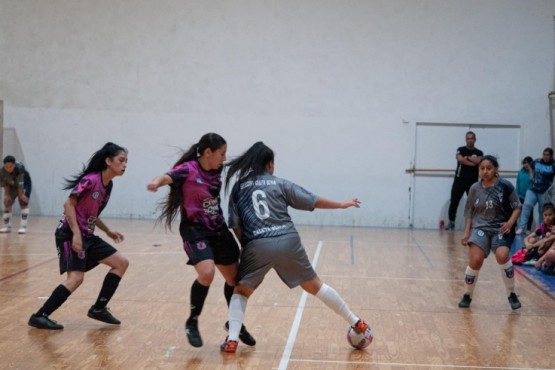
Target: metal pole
2	128
551	97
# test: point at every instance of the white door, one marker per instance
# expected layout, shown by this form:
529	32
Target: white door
435	163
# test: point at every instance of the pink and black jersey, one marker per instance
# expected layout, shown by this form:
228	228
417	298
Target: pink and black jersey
92	196
201	213
542	230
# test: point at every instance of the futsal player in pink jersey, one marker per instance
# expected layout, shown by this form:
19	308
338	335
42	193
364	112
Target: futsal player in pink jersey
79	249
195	184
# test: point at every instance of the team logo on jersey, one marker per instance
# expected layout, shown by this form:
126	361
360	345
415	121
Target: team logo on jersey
201	245
500	196
477	201
199	180
95	195
480	233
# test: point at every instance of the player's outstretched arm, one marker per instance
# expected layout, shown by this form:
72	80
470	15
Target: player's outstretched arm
330	204
159	181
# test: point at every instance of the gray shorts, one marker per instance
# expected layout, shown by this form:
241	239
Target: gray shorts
284	253
489	241
14	193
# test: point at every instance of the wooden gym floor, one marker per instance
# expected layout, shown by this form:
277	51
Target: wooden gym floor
405	283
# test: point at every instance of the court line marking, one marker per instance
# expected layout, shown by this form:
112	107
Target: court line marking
415	242
296	322
444	366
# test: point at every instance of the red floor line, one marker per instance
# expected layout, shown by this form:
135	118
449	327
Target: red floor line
27	269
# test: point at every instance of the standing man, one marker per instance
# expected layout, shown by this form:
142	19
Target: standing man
16	182
466	174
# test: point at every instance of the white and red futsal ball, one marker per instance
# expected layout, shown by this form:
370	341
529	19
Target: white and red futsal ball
359	341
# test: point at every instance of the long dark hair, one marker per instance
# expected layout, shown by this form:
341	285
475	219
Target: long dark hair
97	163
173	202
254	161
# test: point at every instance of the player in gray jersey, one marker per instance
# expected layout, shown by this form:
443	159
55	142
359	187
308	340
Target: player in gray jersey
258	216
16	182
491	211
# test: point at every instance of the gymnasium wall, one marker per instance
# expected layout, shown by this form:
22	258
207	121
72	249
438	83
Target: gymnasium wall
334	87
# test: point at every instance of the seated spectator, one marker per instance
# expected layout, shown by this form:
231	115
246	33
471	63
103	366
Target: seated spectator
546	263
539	242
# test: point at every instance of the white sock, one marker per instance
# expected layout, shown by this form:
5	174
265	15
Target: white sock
24	217
7	217
508	275
333	300
237	308
470	278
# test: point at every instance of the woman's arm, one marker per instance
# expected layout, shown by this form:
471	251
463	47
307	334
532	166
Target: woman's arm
324	203
115	235
158	181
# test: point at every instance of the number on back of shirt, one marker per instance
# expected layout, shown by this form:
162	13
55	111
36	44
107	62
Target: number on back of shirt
260	205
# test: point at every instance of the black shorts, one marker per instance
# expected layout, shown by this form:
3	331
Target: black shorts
222	248
94	250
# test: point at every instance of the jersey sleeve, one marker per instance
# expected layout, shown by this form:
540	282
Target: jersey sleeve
82	187
298	197
178	174
469	206
514	201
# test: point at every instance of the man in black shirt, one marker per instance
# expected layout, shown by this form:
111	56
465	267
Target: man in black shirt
466	174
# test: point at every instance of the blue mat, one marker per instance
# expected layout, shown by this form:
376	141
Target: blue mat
544	282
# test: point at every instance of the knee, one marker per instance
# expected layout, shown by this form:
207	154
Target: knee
74	281
118	263
206	276
123	264
475	263
243	290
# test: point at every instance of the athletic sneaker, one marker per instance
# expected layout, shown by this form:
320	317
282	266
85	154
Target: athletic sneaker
229	346
465	301
22	230
244	335
360	326
193	335
5	229
513	300
44	322
103	315
450	226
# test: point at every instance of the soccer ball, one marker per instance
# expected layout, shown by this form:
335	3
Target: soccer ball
359	341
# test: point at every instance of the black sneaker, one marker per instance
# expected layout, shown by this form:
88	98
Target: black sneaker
450	226
103	315
513	300
244	335
465	301
43	322
193	335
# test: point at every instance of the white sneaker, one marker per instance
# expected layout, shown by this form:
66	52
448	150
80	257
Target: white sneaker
22	230
6	229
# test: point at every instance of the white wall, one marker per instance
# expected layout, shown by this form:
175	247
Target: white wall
334	87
